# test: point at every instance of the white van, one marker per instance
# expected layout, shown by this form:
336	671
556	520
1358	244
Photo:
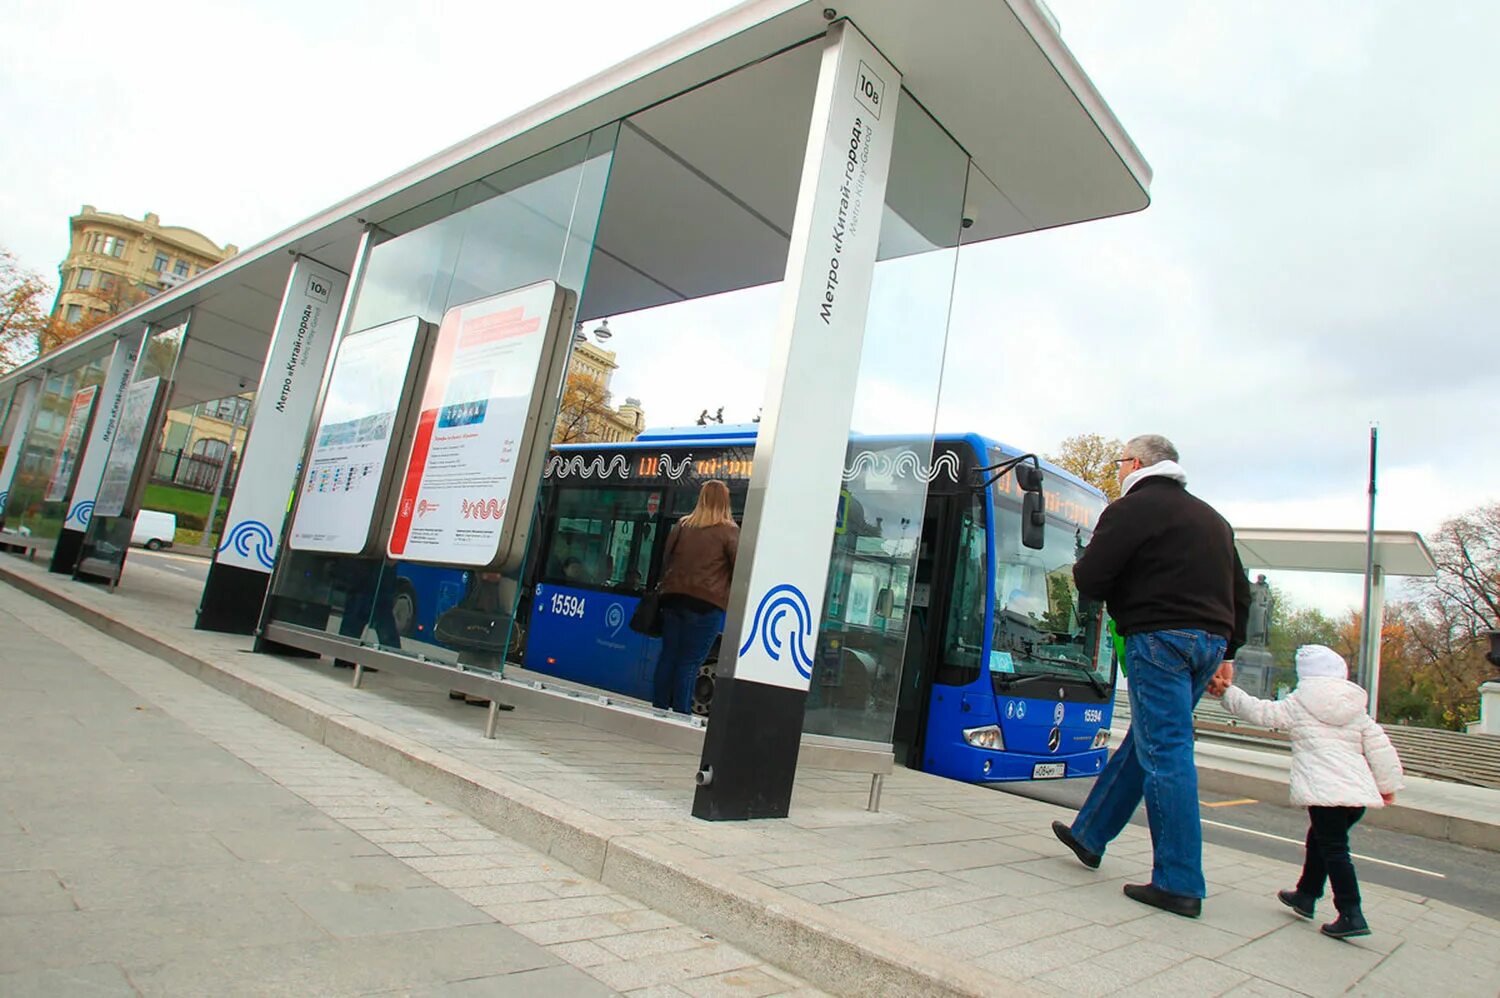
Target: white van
154	529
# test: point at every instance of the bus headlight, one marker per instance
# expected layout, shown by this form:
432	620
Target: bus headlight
1101	739
987	737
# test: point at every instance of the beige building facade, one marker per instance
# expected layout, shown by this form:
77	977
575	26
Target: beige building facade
593	420
114	261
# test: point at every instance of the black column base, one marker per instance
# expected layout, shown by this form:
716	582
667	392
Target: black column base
232	599
65	555
750	748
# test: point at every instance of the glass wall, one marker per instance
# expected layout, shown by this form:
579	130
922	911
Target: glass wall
533	221
870	611
50	453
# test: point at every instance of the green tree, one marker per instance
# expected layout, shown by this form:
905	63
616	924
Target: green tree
1092	458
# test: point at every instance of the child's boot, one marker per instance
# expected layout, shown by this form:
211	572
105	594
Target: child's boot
1302	904
1348	925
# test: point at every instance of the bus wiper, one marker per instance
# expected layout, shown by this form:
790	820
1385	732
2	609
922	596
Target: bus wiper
1088	673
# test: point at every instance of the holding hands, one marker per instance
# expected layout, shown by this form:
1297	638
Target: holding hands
1222	680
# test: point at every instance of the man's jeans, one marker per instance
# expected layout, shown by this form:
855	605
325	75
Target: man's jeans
1169	670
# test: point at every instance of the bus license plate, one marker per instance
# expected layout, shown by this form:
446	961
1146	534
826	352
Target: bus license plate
1049	771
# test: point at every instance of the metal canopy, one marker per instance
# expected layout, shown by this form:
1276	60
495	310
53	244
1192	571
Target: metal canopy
995	75
1397	552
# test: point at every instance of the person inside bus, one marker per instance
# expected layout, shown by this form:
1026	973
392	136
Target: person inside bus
699	564
1165	564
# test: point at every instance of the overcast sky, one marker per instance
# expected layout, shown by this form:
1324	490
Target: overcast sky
1321	252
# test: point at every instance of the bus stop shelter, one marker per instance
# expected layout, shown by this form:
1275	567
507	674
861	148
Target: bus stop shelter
1400	553
811	145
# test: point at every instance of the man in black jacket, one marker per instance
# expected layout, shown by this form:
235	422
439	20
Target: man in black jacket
1165	564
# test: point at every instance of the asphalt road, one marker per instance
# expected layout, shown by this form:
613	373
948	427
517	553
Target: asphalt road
188	566
1468	878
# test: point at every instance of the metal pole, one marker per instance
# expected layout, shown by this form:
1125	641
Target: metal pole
1366	639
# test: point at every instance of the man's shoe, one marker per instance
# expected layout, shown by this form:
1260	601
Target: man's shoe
1177	904
1347	926
1065	836
1298	902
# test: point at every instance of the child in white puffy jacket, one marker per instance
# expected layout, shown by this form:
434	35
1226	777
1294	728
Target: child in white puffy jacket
1342	763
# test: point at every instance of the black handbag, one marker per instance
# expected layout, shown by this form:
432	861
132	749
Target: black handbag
647	617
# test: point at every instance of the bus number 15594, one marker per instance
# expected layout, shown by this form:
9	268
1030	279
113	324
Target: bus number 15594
567	606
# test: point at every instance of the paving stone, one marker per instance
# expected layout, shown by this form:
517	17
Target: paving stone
25	892
95	980
1198	976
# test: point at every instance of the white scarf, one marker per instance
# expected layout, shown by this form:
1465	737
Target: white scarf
1161	469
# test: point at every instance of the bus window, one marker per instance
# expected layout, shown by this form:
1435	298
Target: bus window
963	642
1040	626
601	539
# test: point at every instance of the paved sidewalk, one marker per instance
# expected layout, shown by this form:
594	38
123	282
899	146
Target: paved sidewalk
159	837
961	887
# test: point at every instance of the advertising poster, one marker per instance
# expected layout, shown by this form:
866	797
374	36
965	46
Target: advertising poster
341	480
72	440
457	486
130	433
106	417
285	400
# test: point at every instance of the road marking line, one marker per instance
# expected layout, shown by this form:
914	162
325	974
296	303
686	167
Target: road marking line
1299	842
1229	803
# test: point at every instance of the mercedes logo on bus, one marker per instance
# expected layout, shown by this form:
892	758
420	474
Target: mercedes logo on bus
1054	739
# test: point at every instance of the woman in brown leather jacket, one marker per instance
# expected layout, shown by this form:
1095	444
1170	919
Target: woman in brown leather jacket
694	593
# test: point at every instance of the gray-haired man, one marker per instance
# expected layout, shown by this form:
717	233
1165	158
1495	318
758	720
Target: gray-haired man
1165	564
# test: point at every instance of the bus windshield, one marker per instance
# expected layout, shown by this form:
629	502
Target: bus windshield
1040	627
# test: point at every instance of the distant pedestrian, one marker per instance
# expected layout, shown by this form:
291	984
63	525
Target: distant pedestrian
699	565
1342	763
1165	565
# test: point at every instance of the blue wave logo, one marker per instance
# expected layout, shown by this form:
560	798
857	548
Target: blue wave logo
614	618
3	496
252	539
775	606
83	512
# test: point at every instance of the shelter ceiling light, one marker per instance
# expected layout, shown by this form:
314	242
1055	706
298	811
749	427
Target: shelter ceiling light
601	331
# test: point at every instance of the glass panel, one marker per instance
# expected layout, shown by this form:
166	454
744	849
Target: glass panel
530	222
868	607
27	508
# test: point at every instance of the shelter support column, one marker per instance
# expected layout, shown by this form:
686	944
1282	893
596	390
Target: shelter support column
312	309
750	749
1373	628
91	467
23	404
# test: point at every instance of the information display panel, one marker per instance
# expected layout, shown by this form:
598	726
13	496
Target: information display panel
136	413
358	426
481	406
72	441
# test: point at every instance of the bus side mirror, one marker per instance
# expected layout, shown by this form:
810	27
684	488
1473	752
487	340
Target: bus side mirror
1033	507
1033	521
885	603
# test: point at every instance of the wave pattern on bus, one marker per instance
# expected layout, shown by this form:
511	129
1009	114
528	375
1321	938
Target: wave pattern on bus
581	467
905	463
766	625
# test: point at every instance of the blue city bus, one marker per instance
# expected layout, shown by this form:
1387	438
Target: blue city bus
941	632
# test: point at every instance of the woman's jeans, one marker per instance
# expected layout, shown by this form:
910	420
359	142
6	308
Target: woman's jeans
1328	857
1169	670
686	639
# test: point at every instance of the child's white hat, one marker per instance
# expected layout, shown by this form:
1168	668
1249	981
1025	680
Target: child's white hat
1319	661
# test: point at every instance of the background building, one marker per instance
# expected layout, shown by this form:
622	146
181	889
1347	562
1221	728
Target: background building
586	414
114	261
